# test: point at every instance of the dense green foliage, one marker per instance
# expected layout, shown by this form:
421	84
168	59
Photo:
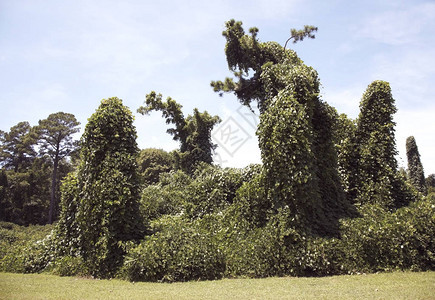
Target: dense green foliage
328	198
246	57
15	244
56	141
193	132
17	147
178	251
430	183
153	162
369	167
415	167
296	135
100	209
27	174
108	185
209	190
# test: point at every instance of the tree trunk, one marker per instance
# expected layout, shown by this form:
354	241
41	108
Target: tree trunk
53	190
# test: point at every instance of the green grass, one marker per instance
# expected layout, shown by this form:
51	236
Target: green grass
397	285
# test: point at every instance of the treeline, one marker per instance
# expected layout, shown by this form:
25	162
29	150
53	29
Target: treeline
33	159
327	199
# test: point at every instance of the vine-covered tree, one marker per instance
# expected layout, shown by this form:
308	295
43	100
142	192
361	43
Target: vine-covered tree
295	131
153	162
193	132
56	141
430	183
248	58
376	177
108	188
415	167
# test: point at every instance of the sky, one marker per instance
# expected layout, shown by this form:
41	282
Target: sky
69	55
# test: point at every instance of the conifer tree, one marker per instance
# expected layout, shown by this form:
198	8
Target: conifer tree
56	140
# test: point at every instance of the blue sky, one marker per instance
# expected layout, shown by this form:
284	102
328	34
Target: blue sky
68	55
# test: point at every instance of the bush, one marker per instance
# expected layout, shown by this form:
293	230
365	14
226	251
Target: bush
382	240
70	266
153	162
213	189
210	190
168	197
179	251
16	245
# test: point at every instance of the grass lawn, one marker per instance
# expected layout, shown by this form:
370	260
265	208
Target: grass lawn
397	285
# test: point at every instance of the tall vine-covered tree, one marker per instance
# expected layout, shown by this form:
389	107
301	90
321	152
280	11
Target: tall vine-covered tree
56	141
108	188
247	59
295	131
415	167
376	176
193	132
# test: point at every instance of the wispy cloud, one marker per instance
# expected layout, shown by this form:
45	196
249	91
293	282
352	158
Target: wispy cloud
399	26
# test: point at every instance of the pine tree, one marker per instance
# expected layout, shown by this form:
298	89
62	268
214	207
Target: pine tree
56	140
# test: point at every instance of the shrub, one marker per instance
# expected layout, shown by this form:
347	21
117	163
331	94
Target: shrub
213	189
153	162
382	240
210	190
168	197
277	249
69	266
179	251
16	245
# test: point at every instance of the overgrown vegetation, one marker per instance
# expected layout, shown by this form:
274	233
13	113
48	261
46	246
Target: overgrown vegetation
327	199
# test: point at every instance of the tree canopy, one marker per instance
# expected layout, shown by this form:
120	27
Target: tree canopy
17	146
55	136
248	58
193	132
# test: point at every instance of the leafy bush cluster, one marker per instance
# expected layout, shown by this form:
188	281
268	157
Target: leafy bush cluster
227	244
17	244
382	240
209	190
180	250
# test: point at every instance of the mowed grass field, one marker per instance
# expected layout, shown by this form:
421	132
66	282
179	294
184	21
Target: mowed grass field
396	285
